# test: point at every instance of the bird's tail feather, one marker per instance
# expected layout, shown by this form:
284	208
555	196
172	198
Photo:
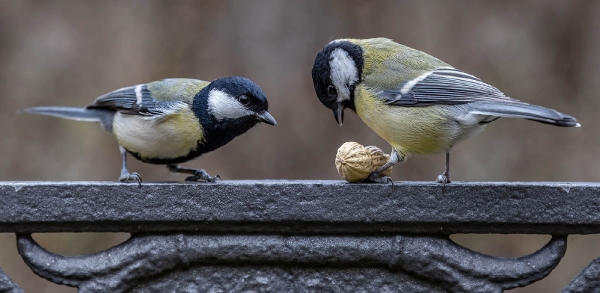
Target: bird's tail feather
104	117
526	111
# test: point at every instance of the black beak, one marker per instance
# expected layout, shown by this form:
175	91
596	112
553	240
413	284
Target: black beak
338	112
266	118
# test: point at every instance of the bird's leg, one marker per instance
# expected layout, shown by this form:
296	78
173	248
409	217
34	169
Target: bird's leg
197	174
445	177
125	175
374	176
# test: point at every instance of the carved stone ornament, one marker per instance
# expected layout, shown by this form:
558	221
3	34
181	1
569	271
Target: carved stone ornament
7	285
298	236
221	263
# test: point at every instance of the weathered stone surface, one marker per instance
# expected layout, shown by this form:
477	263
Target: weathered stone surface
289	236
587	281
271	263
301	207
7	285
282	279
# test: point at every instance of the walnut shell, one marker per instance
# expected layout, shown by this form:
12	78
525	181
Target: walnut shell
355	162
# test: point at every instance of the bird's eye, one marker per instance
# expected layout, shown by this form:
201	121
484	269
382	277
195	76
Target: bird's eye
244	100
331	90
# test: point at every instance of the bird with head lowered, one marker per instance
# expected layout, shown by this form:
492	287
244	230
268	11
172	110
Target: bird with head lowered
414	101
172	121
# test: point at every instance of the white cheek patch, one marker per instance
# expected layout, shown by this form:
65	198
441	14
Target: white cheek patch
224	106
343	72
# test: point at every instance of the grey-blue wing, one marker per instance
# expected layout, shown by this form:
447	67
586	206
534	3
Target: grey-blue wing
446	86
136	100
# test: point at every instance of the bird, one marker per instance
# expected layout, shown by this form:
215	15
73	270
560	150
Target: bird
414	101
173	120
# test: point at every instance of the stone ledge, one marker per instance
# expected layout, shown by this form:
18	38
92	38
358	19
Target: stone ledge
301	207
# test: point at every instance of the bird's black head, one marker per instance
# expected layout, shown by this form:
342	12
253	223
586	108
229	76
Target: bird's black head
234	98
336	72
228	107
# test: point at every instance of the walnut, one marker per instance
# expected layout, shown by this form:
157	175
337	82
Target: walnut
355	162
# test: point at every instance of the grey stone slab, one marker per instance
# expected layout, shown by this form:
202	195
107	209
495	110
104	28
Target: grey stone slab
301	207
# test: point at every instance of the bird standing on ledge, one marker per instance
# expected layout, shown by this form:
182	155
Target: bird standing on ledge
172	121
417	103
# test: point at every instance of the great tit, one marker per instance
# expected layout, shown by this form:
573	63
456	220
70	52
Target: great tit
172	121
414	101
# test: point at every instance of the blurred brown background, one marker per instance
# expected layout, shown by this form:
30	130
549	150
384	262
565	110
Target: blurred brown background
69	52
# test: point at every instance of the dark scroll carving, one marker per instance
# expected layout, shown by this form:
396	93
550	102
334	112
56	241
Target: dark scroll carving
290	236
234	263
588	281
7	285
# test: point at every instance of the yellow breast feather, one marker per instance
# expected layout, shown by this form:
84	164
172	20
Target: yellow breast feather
409	130
171	135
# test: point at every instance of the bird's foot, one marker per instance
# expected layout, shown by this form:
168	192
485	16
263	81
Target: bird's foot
201	175
130	177
197	174
444	179
374	178
384	179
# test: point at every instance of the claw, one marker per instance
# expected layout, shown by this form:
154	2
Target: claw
198	174
444	179
202	175
130	177
377	179
390	180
